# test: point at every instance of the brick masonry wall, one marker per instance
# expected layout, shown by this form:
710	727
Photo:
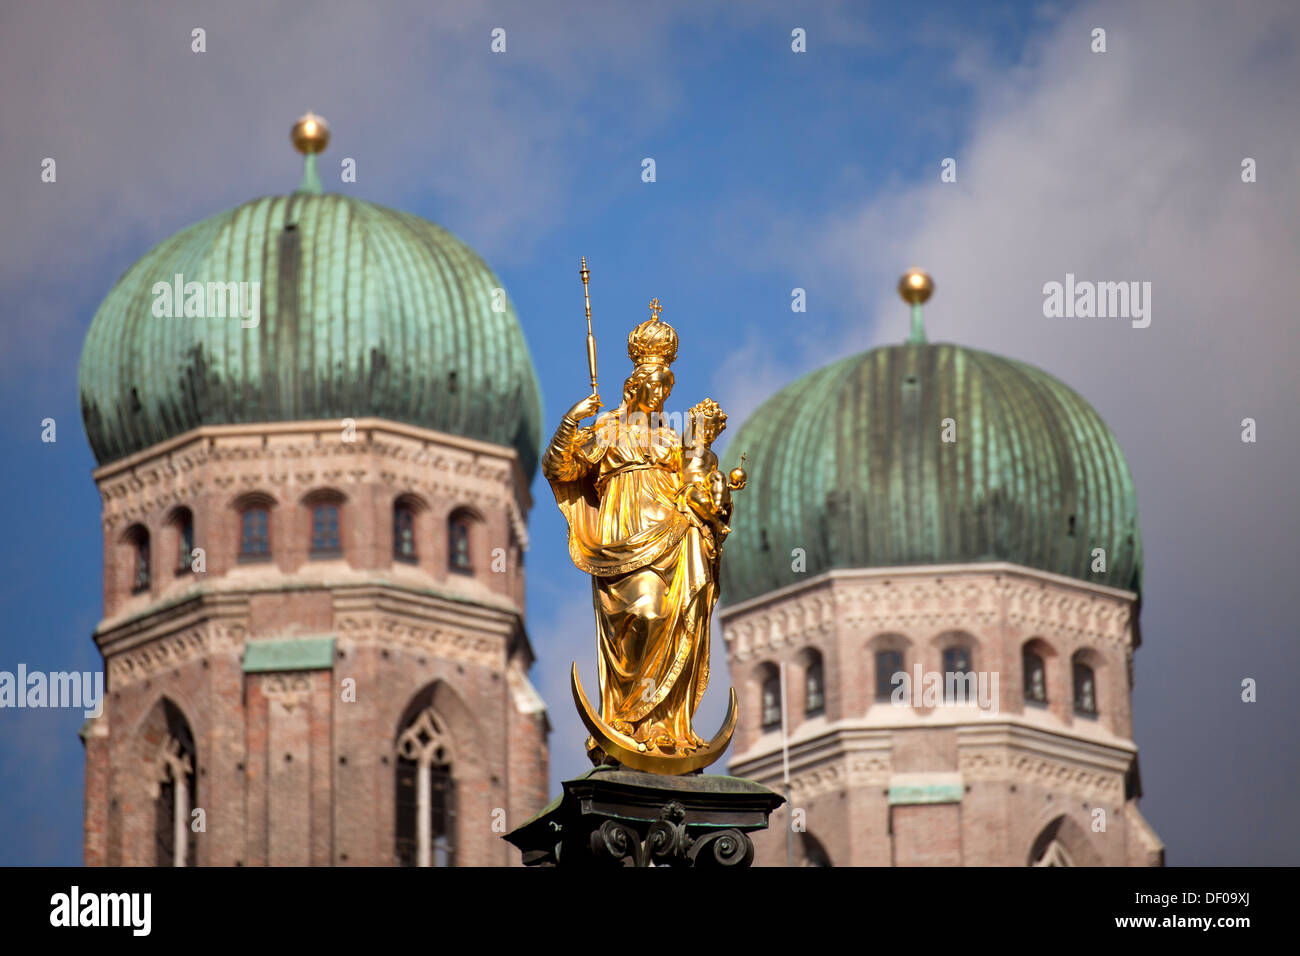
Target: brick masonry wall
1023	771
289	772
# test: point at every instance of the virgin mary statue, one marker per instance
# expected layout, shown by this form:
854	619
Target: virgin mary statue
651	557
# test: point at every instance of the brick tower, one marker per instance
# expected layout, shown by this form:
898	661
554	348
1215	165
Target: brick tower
314	465
967	521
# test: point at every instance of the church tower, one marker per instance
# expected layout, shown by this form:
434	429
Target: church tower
939	550
316	422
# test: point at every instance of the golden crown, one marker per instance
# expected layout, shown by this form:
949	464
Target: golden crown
653	342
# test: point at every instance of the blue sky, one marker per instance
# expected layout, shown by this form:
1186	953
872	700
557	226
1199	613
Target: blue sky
775	170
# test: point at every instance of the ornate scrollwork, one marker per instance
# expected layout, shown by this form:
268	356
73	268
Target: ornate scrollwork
616	842
667	841
723	848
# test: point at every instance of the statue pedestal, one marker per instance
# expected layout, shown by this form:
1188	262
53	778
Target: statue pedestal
612	816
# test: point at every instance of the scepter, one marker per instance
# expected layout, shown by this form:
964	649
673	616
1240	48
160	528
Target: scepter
585	273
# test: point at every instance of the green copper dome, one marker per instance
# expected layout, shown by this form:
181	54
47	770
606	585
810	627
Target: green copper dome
365	311
849	464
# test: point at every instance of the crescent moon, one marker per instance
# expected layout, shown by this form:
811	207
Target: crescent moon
629	753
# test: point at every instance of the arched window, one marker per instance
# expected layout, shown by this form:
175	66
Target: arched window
814	686
458	551
772	699
140	578
958	674
183	522
174	791
325	530
426	794
888	663
404	532
1035	678
1063	842
255	533
1085	689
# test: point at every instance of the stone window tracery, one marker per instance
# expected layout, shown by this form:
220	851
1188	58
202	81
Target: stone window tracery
172	786
426	794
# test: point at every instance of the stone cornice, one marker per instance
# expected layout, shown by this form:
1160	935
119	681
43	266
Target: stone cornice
375	617
211	621
928	600
237	589
728	611
202	640
195	608
501	620
845	756
306	454
436	638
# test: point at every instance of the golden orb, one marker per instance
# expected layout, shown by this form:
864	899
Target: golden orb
738	479
311	134
916	286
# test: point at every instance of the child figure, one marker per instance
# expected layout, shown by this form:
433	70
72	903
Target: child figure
706	491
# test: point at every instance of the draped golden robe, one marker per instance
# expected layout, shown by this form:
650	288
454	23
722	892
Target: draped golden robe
653	574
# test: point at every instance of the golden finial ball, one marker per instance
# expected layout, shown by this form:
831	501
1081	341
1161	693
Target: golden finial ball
737	478
916	286
311	134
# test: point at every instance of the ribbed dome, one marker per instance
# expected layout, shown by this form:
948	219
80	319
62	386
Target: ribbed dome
848	464
364	311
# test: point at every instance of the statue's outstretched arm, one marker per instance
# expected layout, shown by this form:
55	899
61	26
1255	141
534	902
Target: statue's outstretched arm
570	453
561	462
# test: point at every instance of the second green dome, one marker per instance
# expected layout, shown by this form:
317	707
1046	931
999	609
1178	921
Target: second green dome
850	465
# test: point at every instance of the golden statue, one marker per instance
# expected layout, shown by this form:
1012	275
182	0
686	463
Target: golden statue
647	511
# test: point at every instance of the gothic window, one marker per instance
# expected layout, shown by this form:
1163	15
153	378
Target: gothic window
426	794
1085	690
139	539
814	687
255	534
1035	678
404	532
325	531
1062	843
458	554
772	700
184	541
1054	855
956	662
888	663
173	792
